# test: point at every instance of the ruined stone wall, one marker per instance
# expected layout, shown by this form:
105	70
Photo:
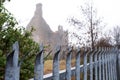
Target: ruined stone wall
42	32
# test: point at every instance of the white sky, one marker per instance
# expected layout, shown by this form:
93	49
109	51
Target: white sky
56	12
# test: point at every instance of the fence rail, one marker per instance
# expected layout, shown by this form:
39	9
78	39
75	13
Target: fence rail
98	64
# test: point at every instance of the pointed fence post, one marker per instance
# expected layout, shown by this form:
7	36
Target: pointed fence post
115	62
86	52
118	64
12	71
96	63
39	69
112	65
68	64
100	64
77	70
56	64
91	63
108	65
103	63
106	68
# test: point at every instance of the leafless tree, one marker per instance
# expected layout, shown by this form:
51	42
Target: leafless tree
104	42
116	35
90	26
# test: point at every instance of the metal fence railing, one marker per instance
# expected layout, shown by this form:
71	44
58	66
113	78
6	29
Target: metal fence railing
98	64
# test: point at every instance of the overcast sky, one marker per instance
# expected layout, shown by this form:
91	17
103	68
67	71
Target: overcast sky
56	12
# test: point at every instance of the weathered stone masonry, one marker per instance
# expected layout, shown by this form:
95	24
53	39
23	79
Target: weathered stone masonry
43	33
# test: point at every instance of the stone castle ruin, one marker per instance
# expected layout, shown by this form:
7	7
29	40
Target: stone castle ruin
42	32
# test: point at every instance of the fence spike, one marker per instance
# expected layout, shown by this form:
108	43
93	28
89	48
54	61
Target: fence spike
118	64
96	63
39	66
68	64
12	70
86	51
56	64
100	63
91	63
103	63
106	68
77	71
